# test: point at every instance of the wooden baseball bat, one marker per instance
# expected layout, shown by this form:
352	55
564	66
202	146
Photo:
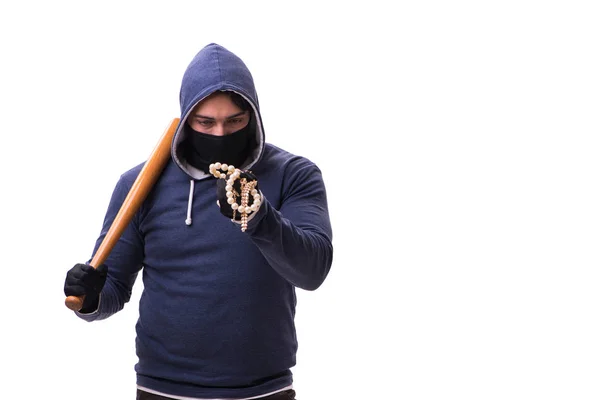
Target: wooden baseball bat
138	192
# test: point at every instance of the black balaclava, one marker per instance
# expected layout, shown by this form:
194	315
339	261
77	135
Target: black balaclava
201	149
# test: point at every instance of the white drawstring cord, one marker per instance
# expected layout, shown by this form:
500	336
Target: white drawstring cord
188	221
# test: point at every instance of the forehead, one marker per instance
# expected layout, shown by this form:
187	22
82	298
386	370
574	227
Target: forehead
216	103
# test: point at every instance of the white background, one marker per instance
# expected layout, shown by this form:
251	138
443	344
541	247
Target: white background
458	142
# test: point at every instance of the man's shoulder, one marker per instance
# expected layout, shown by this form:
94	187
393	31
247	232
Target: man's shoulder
131	174
280	157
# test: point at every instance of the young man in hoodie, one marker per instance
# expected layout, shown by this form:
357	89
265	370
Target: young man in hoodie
231	228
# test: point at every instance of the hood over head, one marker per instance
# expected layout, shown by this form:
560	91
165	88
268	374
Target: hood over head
213	69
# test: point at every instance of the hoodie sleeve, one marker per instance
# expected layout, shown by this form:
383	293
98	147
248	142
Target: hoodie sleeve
124	261
296	240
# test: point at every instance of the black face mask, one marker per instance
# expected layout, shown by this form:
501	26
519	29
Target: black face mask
201	149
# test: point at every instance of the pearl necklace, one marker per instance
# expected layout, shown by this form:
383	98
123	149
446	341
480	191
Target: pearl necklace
231	174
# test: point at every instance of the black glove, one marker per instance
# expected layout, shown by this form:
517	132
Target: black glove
225	207
86	280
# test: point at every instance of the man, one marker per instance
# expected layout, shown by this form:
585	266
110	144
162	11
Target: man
221	258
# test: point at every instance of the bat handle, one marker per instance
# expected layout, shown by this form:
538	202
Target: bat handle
74	302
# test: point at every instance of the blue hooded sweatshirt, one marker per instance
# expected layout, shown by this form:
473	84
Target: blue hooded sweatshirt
216	315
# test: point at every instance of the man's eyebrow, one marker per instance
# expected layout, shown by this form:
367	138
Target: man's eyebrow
236	115
212	119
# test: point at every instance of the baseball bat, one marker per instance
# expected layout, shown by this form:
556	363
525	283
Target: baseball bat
137	194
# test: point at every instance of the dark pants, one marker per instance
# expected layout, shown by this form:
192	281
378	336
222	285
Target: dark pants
285	395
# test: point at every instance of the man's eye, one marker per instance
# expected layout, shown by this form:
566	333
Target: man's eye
235	121
205	123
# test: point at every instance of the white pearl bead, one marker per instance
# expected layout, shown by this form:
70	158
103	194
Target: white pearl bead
218	174
228	194
229	187
230	200
231	169
224	167
217	165
254	207
235	206
254	192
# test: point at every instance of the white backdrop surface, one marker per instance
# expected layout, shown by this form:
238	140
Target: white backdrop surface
458	142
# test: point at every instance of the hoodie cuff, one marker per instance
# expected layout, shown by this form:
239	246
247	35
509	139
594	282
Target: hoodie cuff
90	315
